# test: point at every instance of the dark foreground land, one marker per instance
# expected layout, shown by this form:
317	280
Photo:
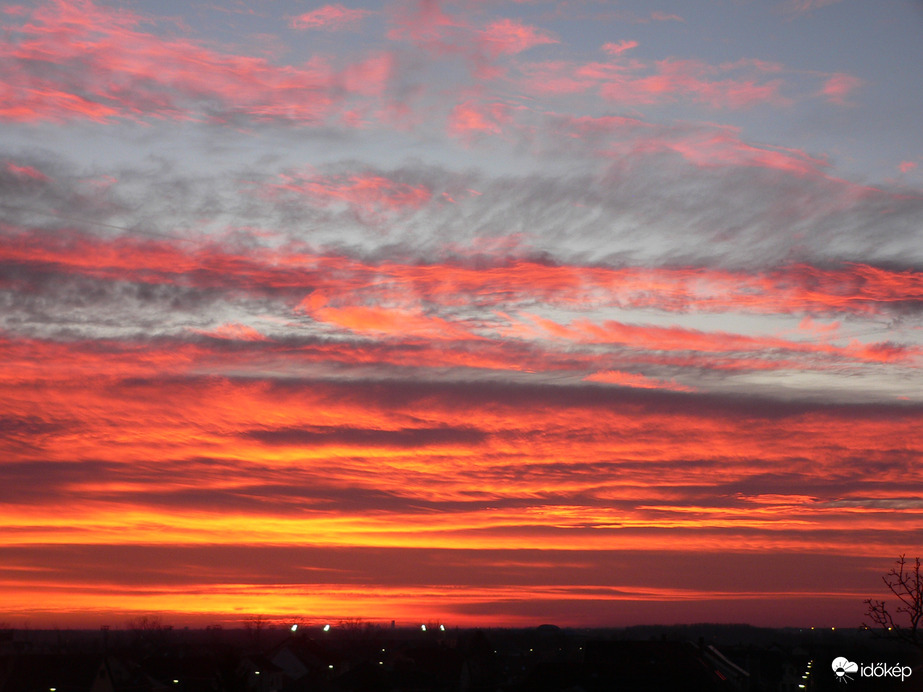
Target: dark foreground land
360	657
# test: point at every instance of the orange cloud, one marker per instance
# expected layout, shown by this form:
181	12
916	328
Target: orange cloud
629	379
334	483
394	322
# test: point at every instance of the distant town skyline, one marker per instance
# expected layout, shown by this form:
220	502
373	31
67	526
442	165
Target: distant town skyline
484	313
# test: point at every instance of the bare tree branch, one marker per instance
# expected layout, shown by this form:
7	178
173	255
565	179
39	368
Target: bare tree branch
904	582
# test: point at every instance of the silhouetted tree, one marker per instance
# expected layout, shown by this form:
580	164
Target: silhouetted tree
255	626
148	635
905	583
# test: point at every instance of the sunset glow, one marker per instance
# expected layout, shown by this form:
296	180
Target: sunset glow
482	313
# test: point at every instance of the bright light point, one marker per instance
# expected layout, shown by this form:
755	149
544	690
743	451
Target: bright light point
330	666
294	628
442	627
257	673
326	628
832	629
423	627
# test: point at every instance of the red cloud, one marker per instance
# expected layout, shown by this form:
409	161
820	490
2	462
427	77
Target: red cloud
329	17
851	289
656	338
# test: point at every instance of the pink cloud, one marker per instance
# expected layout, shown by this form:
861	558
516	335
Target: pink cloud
26	172
691	78
111	68
804	6
839	86
233	331
471	117
507	36
21	103
329	17
427	24
555	78
723	147
819	329
369	76
740	84
664	17
620	47
366	193
907	166
704	145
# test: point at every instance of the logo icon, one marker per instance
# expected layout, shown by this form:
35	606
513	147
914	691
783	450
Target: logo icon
842	667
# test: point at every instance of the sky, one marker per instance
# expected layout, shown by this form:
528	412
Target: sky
486	313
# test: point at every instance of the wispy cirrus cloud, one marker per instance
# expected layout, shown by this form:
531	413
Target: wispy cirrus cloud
799	7
329	17
620	47
839	86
